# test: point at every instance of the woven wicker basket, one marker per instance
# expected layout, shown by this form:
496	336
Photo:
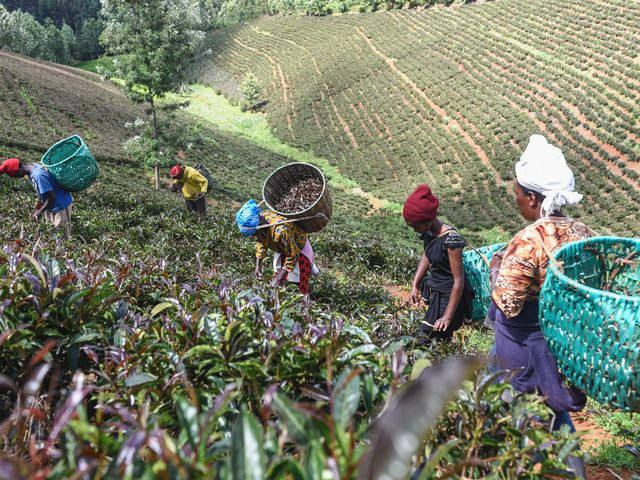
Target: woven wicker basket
476	269
71	164
315	217
590	315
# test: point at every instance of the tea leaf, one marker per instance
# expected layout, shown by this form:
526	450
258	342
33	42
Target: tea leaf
137	378
411	413
247	454
346	397
160	308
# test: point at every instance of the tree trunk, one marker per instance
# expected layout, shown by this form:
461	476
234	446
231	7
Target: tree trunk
157	170
155	119
155	136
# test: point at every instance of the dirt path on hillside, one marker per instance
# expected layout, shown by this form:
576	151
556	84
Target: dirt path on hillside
604	473
61	71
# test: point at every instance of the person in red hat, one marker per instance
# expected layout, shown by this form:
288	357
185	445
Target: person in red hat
193	184
53	201
444	289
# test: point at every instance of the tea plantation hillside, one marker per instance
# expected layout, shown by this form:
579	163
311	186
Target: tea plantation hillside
44	102
450	96
145	348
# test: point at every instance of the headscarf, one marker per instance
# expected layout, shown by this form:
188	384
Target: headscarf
248	218
175	171
543	169
421	206
10	167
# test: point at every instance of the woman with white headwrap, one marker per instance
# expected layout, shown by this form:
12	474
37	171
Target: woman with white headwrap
545	184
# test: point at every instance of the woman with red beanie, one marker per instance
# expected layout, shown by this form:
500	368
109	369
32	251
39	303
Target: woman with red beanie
445	290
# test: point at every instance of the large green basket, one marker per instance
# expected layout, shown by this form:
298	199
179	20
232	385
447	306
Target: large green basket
590	315
71	164
476	269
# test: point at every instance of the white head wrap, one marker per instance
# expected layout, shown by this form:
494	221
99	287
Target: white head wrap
543	169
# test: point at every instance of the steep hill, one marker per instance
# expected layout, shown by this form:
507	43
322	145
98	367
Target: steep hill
142	346
42	103
450	96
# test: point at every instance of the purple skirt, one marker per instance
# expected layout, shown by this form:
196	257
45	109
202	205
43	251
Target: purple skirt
521	344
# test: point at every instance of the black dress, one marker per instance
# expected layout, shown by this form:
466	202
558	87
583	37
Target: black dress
437	285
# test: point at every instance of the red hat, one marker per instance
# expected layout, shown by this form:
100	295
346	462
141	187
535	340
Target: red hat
421	206
10	167
175	171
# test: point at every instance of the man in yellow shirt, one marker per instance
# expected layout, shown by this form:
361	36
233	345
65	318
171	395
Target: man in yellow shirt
194	188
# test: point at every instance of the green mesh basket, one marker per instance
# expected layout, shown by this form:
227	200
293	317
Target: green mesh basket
476	269
71	164
590	315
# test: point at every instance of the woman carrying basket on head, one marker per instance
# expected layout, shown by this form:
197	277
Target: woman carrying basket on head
545	184
445	289
289	243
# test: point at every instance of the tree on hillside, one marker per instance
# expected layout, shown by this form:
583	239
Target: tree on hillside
88	39
152	41
20	32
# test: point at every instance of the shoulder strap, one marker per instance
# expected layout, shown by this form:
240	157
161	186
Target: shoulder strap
441	235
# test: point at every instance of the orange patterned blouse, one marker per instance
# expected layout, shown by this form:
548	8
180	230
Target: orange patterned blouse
287	239
525	260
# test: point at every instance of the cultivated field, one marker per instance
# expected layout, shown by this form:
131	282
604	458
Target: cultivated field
450	97
146	348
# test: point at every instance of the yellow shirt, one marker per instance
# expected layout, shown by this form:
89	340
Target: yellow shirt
286	239
194	184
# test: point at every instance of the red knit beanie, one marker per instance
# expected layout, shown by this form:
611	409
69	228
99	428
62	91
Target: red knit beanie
175	171
10	167
421	206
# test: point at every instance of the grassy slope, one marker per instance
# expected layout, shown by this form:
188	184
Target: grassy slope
450	96
123	215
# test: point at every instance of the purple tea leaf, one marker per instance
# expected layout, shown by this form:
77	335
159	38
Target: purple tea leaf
67	410
401	429
399	363
32	386
131	446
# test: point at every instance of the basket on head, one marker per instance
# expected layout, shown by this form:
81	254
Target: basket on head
317	215
476	269
71	164
590	316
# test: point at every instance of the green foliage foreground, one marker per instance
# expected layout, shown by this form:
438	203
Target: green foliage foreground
147	356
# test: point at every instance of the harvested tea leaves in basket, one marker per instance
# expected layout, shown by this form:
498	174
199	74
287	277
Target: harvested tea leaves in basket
301	196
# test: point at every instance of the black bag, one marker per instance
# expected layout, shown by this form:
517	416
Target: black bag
205	173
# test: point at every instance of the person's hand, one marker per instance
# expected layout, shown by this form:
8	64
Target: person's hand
416	296
36	216
442	324
279	278
496	260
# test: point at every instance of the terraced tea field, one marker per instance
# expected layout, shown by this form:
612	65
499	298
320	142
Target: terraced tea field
451	96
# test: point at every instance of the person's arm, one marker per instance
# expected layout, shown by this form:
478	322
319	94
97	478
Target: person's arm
261	250
49	200
421	271
455	261
258	270
494	267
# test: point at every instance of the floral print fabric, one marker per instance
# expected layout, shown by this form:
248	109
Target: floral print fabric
286	239
526	259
